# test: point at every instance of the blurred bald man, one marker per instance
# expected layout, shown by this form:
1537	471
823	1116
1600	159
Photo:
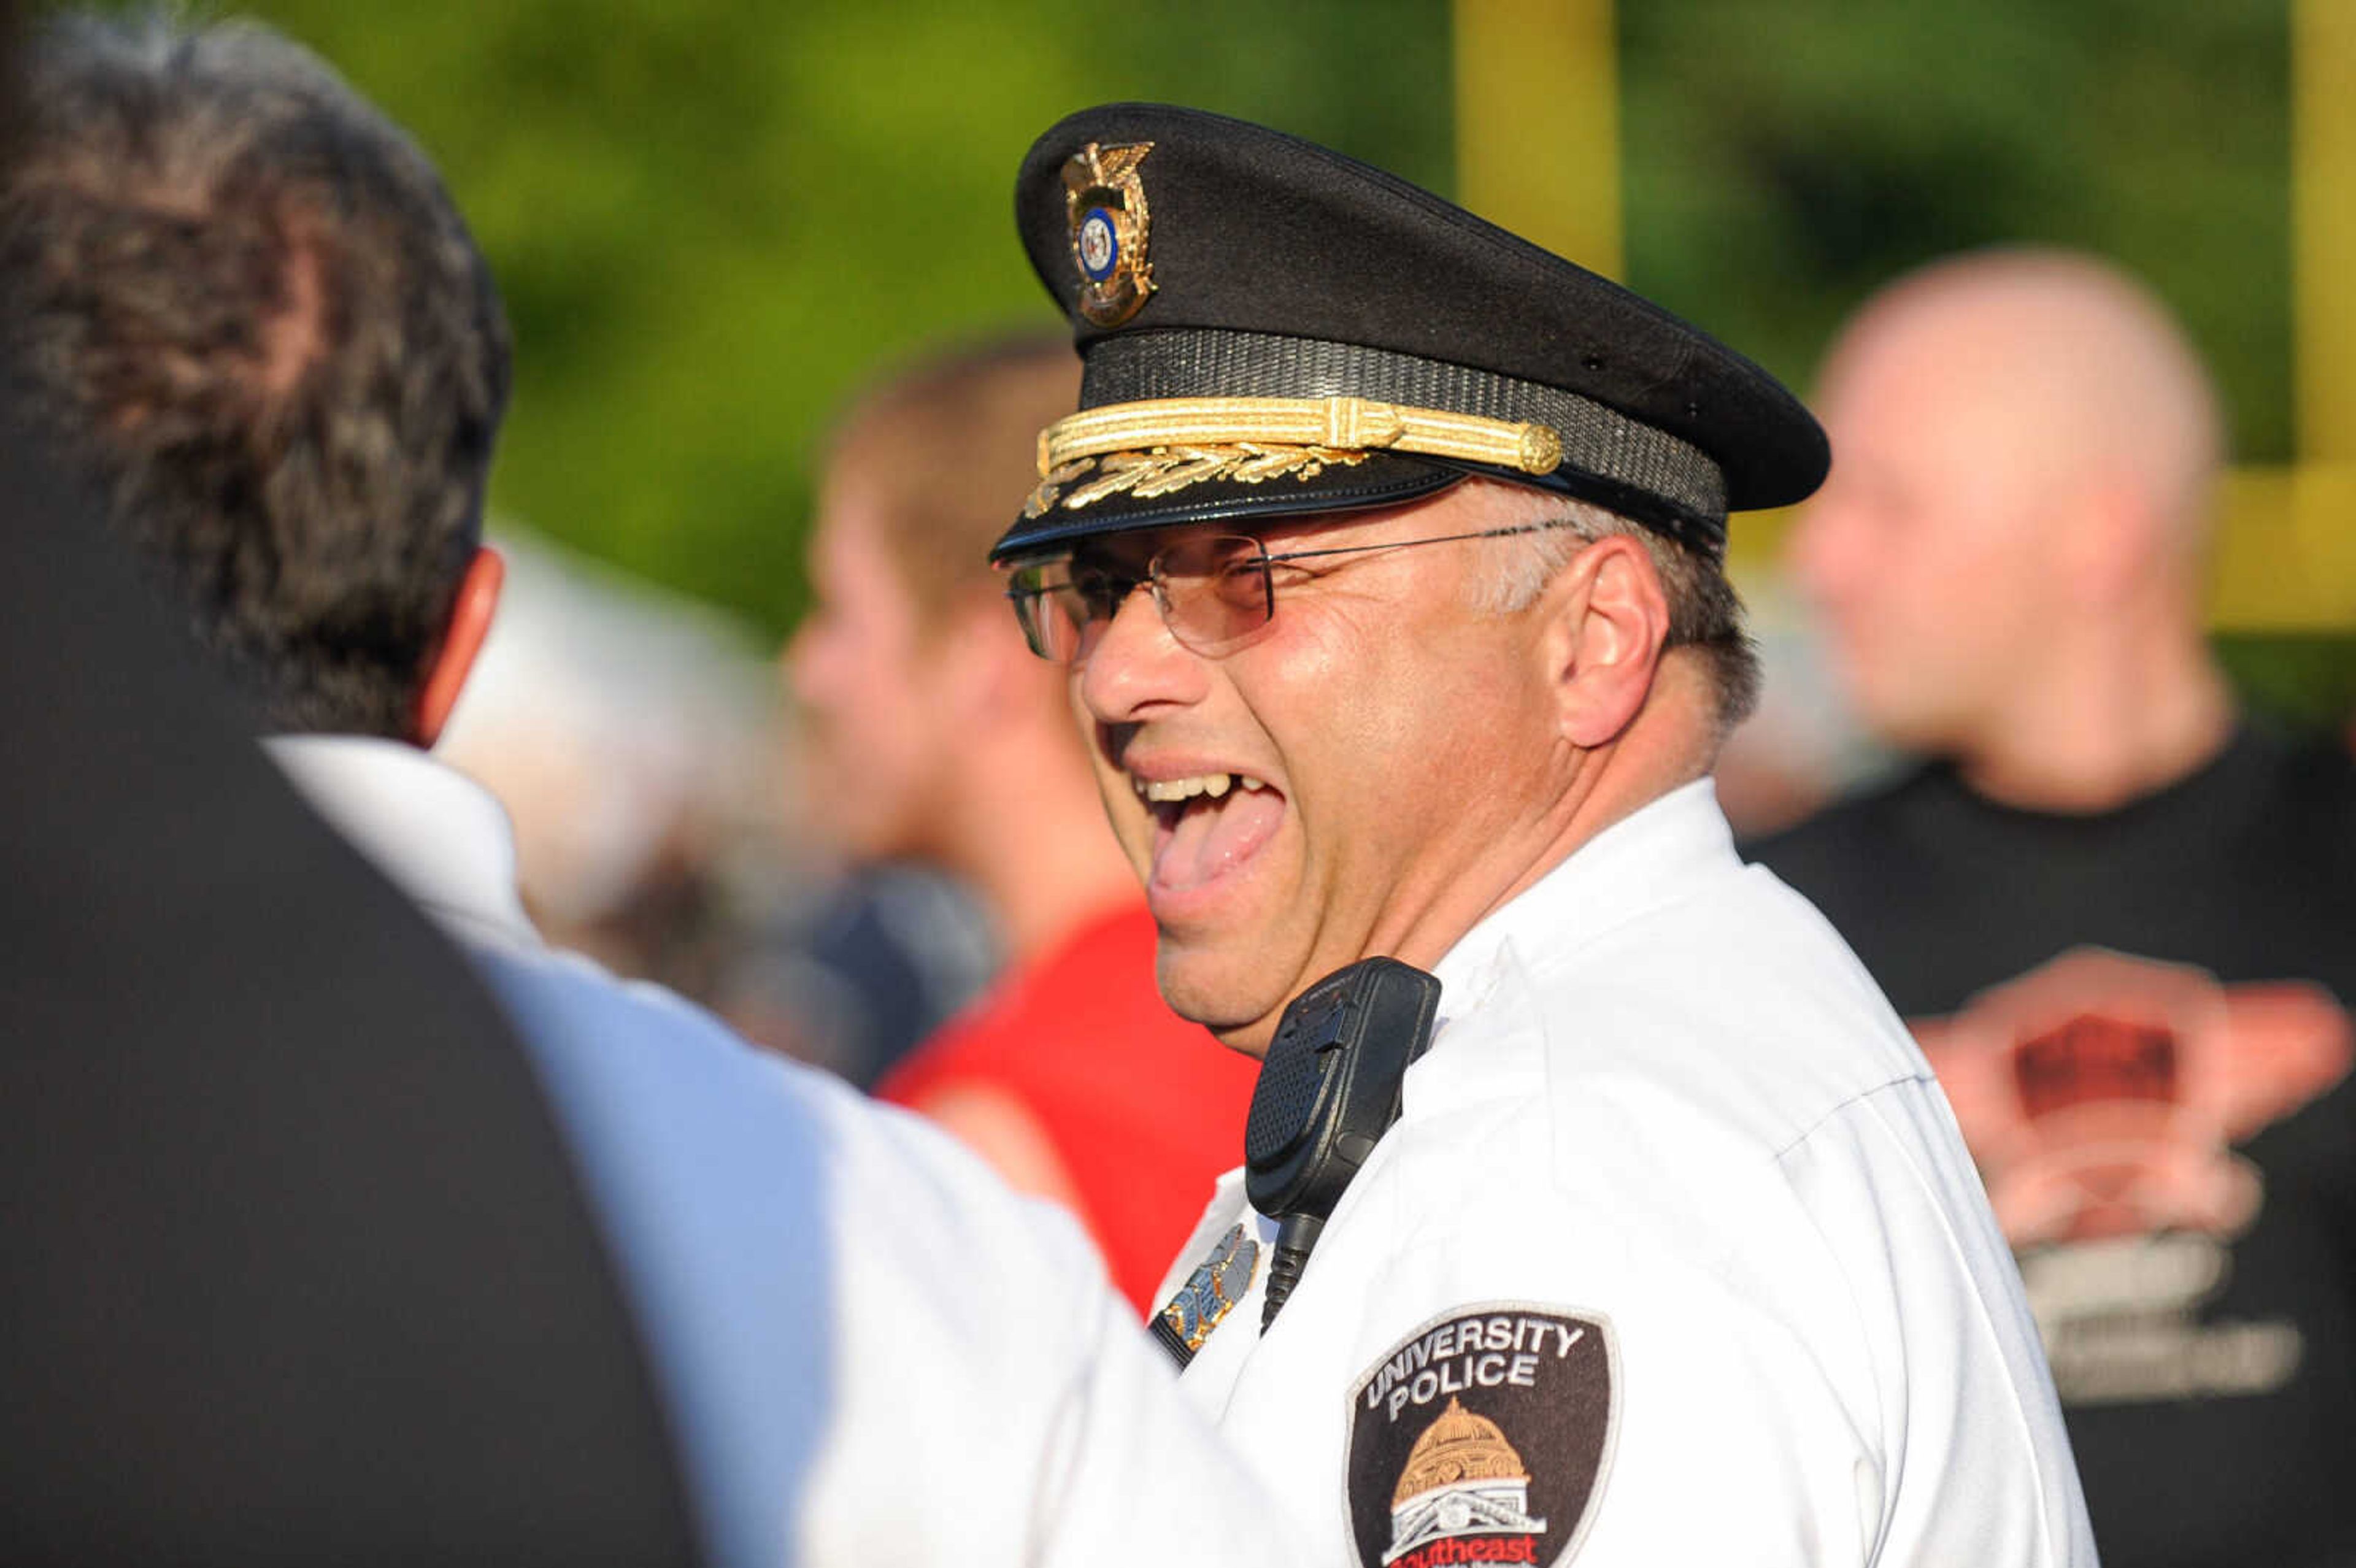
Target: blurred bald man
2120	918
2011	555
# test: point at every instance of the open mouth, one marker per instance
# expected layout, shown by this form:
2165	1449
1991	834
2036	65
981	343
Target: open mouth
1207	825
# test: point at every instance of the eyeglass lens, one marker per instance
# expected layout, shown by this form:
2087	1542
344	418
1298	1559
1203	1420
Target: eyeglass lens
1212	593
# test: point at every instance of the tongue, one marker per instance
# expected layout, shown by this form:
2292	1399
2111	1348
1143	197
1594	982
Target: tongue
1212	834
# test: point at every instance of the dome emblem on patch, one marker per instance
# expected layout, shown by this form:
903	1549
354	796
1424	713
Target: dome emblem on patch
1461	1478
1104	201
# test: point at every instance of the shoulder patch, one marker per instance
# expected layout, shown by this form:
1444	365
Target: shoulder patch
1484	1437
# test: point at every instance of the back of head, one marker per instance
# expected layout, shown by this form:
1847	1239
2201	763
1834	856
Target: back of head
254	321
946	452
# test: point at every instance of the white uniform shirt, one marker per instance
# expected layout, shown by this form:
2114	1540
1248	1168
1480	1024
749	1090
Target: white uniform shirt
1675	1254
871	1350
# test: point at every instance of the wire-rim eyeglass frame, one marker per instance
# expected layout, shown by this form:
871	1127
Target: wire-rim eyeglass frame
1213	591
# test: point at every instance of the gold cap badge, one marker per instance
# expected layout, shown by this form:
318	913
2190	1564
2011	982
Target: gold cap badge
1104	201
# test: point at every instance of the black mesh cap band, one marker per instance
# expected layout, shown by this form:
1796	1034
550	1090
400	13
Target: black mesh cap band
1623	454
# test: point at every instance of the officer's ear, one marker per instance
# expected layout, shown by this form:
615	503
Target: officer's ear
470	622
1609	621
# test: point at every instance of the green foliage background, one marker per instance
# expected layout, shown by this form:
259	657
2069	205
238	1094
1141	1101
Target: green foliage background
712	220
1783	161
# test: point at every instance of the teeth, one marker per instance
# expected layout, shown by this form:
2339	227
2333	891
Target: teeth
1213	784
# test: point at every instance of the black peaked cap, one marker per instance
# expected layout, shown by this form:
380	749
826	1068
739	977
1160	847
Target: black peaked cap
1229	260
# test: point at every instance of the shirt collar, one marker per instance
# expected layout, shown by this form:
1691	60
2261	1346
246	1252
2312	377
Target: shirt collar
440	837
1652	857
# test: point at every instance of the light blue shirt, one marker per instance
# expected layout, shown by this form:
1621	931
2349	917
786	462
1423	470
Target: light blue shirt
870	1350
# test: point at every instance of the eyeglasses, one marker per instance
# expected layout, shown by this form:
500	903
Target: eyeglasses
1214	592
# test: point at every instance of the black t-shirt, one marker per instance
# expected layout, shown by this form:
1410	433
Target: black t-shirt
2140	1016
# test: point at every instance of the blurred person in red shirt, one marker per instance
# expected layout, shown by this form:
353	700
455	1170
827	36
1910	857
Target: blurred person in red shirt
2120	918
935	736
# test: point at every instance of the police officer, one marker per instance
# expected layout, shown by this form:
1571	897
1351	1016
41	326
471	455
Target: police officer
1386	555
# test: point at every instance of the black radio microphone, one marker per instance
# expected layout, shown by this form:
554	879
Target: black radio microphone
1328	1089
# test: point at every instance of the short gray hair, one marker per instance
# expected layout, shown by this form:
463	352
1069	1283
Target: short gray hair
1705	613
250	317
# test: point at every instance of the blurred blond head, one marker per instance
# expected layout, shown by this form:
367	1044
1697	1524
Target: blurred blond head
909	659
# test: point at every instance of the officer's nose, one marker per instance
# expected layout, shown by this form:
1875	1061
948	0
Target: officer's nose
1133	665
